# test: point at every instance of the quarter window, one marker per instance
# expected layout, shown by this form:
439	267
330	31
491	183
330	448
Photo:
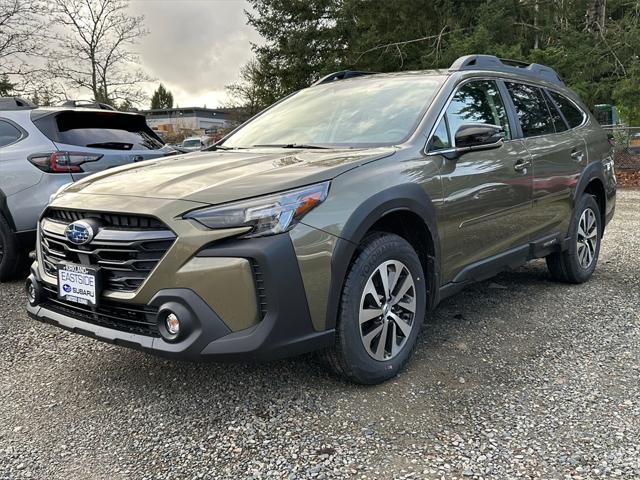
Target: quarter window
532	110
573	114
440	139
8	133
478	102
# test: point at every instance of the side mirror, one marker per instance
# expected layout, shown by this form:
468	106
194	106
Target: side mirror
478	136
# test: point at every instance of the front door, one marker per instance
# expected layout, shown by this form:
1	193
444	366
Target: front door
487	194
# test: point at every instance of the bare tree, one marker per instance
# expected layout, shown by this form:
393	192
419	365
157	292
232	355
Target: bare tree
246	95
94	50
20	35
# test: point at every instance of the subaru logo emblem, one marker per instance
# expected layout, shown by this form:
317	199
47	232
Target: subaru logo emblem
79	232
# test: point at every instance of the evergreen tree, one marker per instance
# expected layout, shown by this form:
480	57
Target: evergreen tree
6	87
162	98
596	54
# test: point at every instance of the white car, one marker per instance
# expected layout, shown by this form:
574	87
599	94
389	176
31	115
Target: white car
44	148
192	144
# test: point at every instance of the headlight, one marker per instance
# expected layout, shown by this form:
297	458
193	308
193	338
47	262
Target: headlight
266	215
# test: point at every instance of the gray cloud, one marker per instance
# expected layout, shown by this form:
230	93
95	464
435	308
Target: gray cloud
195	47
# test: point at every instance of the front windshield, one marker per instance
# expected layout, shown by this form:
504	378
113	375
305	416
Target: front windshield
375	110
191	143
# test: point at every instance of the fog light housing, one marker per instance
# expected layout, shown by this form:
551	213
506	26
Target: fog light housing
33	292
175	322
172	322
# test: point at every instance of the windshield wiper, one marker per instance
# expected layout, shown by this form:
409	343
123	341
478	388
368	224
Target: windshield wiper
292	145
216	147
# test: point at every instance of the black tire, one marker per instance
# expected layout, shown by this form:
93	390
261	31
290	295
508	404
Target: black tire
9	251
349	357
568	266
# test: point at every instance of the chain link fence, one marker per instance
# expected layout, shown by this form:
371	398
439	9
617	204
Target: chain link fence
627	146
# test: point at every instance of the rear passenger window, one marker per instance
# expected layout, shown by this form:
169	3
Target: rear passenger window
440	139
573	114
8	133
478	102
532	110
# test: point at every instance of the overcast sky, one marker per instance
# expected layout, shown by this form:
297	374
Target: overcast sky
195	47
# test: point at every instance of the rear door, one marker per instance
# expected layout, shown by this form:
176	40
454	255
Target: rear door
558	156
114	138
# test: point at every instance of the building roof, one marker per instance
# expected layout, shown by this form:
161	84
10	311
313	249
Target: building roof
197	111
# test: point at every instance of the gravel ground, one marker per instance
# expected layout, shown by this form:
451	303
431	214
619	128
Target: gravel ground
515	377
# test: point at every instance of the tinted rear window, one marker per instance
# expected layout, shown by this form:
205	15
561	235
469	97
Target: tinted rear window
103	130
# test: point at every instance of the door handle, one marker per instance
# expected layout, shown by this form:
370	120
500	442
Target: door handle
522	165
577	155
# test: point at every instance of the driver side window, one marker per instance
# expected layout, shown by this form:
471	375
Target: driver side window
478	102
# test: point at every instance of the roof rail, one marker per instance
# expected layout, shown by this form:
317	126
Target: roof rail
15	103
341	75
493	63
86	104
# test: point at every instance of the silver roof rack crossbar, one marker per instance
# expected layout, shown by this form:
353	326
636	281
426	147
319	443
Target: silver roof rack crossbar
86	104
15	103
493	63
341	75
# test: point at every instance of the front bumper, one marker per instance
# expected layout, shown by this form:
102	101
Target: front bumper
285	328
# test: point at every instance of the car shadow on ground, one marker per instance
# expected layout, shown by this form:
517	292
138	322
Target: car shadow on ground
444	352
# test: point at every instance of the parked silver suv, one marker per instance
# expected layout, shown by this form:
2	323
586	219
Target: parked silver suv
42	149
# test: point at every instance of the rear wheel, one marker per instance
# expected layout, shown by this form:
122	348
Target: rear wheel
578	262
382	308
9	251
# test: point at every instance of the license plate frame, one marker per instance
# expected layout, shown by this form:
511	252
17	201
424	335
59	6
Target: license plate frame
79	283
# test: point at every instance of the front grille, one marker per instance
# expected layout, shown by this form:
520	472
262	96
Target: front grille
114	220
129	318
126	248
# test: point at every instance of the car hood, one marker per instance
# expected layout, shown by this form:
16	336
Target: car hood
214	177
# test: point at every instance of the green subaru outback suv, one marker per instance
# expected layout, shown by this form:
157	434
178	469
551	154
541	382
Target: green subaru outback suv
334	220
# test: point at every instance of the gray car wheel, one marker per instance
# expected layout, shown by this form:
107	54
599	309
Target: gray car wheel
387	310
578	262
587	238
382	307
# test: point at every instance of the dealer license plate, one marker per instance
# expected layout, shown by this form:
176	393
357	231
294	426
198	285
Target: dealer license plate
79	284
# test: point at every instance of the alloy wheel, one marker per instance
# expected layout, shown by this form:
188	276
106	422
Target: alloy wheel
387	310
587	238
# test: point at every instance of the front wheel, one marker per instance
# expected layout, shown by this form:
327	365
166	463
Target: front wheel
578	262
381	311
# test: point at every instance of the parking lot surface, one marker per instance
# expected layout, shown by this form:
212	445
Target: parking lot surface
517	376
